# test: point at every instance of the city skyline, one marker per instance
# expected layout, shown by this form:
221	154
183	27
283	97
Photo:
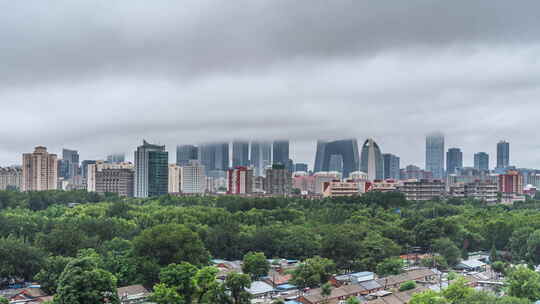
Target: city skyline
332	71
467	160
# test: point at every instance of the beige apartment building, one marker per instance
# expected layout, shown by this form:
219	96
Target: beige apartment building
116	178
175	178
40	170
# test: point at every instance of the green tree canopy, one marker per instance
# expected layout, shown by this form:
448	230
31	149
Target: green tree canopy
313	272
171	243
19	259
447	249
390	266
166	295
50	273
407	286
181	277
237	283
83	282
523	282
256	265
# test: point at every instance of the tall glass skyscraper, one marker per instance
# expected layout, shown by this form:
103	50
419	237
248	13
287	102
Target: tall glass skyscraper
503	154
391	166
435	155
371	161
454	160
261	156
336	163
185	154
337	154
280	152
481	161
70	164
214	156
151	170
240	154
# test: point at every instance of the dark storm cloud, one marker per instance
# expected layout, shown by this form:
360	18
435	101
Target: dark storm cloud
101	75
72	38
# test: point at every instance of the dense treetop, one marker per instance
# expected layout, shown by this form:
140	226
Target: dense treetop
134	239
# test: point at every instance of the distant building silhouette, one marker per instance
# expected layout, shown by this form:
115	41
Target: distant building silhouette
342	154
185	154
503	154
240	154
371	160
261	156
481	161
454	160
435	155
391	166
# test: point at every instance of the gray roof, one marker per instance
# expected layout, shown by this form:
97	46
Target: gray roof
471	264
259	288
370	285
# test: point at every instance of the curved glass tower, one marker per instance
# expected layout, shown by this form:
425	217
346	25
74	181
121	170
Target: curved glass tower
371	161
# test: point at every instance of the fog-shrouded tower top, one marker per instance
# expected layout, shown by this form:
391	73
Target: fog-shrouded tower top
240	153
261	156
280	151
435	154
185	154
503	154
371	161
330	152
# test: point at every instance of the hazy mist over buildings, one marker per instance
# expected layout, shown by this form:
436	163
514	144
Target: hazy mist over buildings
99	76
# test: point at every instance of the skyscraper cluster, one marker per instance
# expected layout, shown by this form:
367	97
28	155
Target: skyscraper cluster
254	167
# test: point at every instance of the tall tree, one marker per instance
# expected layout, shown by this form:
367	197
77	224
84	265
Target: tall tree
83	282
205	279
313	272
390	266
166	295
326	291
50	273
523	282
237	283
256	265
181	277
533	247
448	249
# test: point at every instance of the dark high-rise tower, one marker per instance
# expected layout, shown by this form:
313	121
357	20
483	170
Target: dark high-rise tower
185	154
214	156
481	161
503	154
240	154
454	160
391	166
280	152
70	163
344	152
435	154
151	170
371	161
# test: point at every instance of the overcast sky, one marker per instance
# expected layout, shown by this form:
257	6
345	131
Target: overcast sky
99	76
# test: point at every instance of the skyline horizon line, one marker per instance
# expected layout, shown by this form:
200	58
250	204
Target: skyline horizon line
172	156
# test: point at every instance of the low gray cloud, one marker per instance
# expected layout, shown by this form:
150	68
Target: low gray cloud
99	76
